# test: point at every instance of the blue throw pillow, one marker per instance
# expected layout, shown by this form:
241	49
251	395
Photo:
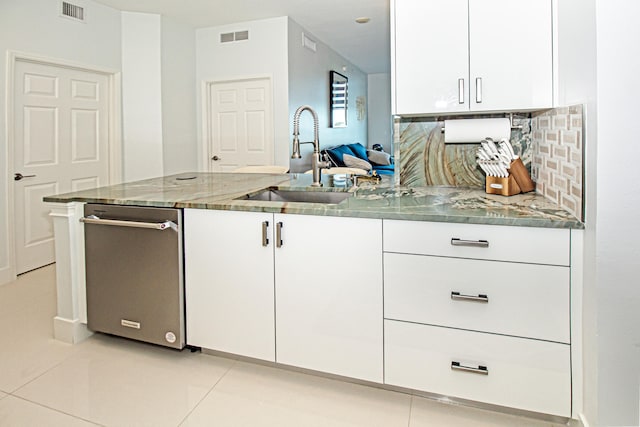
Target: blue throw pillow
359	150
336	154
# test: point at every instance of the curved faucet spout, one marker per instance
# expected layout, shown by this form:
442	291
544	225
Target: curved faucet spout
316	162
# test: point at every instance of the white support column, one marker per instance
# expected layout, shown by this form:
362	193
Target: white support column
70	323
577	355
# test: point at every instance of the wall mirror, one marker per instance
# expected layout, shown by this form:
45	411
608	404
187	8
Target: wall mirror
338	102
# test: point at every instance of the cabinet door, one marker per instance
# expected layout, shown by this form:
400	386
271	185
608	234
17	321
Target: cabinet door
329	295
229	282
510	54
431	56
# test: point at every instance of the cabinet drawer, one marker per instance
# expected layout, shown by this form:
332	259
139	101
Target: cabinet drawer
514	372
508	298
494	242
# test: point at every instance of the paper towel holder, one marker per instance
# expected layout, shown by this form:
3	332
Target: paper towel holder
510	121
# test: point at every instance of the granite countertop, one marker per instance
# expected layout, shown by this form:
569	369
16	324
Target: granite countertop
384	200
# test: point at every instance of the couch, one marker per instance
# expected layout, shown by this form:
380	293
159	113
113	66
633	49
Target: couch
357	155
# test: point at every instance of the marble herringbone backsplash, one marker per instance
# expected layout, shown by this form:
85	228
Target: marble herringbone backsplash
558	155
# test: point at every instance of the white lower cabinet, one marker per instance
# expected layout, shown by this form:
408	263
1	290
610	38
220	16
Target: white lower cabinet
479	312
229	282
329	295
509	298
521	373
300	290
474	312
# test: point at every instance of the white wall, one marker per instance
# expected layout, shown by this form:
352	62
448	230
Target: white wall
263	55
617	231
179	132
141	96
576	84
309	84
34	27
380	122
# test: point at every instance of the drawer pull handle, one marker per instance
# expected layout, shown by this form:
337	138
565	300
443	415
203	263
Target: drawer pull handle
476	298
480	370
473	243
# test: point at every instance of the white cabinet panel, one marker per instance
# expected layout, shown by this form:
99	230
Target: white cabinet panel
229	287
431	56
510	54
518	244
453	56
519	373
329	295
507	298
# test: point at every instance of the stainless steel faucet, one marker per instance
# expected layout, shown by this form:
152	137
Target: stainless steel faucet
317	164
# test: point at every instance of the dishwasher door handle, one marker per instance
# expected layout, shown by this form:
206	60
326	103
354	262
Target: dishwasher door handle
92	219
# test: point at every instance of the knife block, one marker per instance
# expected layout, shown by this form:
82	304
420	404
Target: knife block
521	175
503	186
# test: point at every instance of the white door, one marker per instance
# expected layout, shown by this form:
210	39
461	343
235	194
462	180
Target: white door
240	124
60	144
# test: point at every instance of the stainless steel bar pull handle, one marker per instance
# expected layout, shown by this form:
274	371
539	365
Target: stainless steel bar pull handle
472	243
476	298
265	238
460	91
279	235
479	90
479	369
92	219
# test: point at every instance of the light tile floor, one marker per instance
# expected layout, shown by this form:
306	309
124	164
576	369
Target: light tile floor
115	382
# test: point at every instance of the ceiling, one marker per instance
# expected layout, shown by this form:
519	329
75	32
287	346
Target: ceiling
331	21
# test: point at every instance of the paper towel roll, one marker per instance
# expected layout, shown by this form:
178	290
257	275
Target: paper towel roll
475	130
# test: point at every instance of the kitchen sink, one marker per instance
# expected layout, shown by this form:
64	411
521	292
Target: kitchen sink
297	196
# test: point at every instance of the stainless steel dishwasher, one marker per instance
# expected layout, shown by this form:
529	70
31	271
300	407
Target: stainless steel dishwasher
133	258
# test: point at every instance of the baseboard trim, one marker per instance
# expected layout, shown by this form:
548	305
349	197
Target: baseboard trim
70	331
6	276
583	420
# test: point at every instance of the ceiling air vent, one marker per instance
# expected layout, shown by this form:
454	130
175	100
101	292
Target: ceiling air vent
231	37
72	11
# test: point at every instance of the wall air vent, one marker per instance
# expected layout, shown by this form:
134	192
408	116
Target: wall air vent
72	11
226	37
231	37
242	35
308	42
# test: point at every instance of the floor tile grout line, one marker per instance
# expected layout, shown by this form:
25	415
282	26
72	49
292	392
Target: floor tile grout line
58	411
66	358
235	362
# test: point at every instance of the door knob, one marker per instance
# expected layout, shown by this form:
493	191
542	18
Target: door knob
18	176
215	158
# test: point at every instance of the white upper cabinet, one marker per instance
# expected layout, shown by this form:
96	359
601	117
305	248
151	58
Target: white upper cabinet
453	56
431	56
